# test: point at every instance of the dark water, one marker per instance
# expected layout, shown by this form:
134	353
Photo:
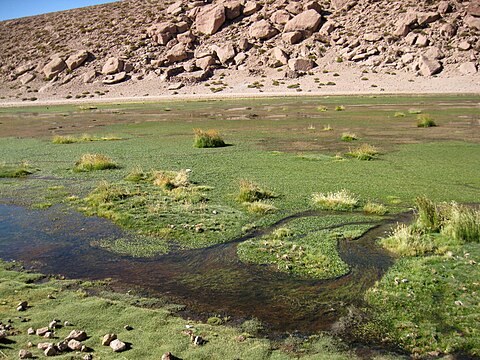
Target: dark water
210	280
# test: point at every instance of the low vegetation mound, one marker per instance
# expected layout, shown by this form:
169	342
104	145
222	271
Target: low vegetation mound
425	121
208	138
364	152
70	139
15	170
91	162
342	200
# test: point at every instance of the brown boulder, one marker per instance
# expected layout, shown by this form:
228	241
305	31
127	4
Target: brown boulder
402	30
74	345
233	9
177	53
225	52
444	7
307	21
118	346
23	69
251	7
54	67
26	78
294	8
314	5
78	335
292	37
429	67
175	9
205	62
468	68
210	18
427	18
339	4
25	354
280	17
280	57
300	64
262	30
77	59
472	22
112	66
474	8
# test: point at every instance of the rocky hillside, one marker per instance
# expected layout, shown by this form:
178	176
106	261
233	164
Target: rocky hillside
188	41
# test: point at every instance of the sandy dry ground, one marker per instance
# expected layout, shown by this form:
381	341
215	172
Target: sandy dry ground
347	81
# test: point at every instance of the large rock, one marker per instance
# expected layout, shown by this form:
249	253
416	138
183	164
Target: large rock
77	59
225	52
177	53
468	68
78	335
26	78
54	67
307	21
233	9
50	351
294	8
115	79
262	30
118	346
472	22
250	8
205	62
427	18
429	67
474	8
42	331
74	345
89	76
23	69
279	56
112	66
280	17
108	338
210	18
300	64
292	37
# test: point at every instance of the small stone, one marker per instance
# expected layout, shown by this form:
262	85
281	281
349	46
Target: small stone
50	351
167	356
108	338
468	68
464	46
3	334
458	303
118	346
31	331
67	323
241	338
22	306
43	346
128	327
42	331
62	345
197	340
48	335
53	324
25	354
74	344
78	335
87	357
29	344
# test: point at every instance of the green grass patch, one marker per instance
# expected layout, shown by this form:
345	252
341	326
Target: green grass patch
71	139
349	136
250	192
92	162
208	138
15	170
425	121
372	208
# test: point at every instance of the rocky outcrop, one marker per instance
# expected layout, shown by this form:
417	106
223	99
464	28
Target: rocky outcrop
54	67
77	59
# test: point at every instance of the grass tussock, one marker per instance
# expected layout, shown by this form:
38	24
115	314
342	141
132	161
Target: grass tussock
339	108
70	139
15	171
251	192
208	138
327	128
260	207
341	200
364	152
92	162
372	208
425	121
407	241
399	114
170	180
349	136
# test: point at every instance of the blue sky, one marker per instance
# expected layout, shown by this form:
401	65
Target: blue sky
12	9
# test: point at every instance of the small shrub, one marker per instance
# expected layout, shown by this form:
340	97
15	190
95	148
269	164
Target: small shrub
322	108
137	175
406	241
260	207
252	327
170	180
348	136
462	223
63	139
214	320
327	128
414	111
251	192
399	114
340	107
364	152
15	171
90	162
207	138
428	214
374	208
340	200
425	121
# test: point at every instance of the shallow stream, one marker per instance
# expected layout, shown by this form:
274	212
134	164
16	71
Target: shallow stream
210	280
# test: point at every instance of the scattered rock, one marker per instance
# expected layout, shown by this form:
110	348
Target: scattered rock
87	357
250	8
372	37
53	324
262	30
112	66
210	18
108	338
25	79
444	7
197	340
3	334
77	59
52	69
307	21
339	4
468	68
88	77
42	331
292	37
280	57
128	327
50	351
205	62
74	345
474	8
233	9
300	64
62	345
48	335
429	67
281	17
115	79
78	335
25	354
464	46
177	53
427	18
23	69
225	52
31	331
118	346
43	346
472	22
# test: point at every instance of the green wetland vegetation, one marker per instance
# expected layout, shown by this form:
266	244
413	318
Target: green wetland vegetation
290	185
